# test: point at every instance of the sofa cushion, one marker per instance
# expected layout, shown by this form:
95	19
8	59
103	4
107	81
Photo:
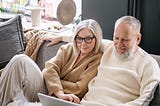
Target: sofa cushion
157	58
154	98
11	39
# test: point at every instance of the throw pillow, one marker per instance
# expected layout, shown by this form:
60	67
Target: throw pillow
11	39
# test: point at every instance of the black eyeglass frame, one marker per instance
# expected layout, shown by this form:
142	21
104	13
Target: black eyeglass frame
87	40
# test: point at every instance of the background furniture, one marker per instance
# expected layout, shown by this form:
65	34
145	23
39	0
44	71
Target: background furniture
11	39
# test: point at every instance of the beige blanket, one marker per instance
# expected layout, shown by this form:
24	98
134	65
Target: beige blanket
34	40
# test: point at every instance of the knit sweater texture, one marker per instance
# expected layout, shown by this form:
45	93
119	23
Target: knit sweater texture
122	82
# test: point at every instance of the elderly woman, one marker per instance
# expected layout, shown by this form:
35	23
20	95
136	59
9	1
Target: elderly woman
66	75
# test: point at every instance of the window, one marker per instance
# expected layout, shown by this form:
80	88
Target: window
51	7
13	6
18	6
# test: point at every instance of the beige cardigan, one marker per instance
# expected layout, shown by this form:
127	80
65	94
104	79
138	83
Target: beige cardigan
61	72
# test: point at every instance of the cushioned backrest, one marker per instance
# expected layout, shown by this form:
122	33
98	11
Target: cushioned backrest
154	98
11	39
157	57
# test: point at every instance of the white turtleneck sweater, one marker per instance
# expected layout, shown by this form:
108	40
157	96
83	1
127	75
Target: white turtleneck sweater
122	82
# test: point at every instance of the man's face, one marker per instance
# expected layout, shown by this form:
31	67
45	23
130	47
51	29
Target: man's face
126	40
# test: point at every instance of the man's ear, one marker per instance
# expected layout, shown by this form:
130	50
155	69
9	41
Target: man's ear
139	38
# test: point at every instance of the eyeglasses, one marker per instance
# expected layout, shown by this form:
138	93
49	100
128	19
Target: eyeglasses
87	40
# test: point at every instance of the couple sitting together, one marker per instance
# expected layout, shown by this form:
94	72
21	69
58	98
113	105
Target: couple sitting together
87	70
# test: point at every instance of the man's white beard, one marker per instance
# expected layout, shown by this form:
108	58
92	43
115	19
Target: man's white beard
127	55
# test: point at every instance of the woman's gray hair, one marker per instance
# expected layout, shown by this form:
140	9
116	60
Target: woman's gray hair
134	22
96	30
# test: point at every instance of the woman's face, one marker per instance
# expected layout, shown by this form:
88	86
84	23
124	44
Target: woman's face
85	41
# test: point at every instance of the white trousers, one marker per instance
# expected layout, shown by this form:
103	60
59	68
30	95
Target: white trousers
20	82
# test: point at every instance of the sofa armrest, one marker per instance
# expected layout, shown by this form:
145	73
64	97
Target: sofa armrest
45	53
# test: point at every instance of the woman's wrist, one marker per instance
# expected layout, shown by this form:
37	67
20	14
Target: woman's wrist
58	93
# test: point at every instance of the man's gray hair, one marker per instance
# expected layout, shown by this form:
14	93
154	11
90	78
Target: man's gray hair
134	22
96	29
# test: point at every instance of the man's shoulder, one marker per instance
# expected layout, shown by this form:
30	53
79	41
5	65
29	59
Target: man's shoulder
146	56
156	57
106	43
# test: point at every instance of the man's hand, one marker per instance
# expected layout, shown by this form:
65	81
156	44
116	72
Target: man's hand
52	39
68	97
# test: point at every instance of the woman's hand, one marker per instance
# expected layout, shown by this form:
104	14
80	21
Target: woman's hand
52	39
68	97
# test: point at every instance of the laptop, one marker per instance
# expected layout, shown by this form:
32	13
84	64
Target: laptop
47	100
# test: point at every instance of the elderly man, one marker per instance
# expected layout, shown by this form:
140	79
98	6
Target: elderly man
126	74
